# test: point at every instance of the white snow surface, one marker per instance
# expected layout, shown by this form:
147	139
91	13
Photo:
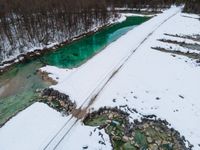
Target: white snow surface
31	129
88	79
57	74
146	75
81	136
36	126
150	74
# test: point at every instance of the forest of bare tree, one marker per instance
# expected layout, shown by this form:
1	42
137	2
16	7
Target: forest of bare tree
26	24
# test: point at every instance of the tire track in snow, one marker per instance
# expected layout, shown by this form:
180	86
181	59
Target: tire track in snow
91	98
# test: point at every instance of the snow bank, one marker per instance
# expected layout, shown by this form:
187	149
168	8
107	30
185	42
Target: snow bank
84	136
31	129
92	76
154	82
57	74
151	81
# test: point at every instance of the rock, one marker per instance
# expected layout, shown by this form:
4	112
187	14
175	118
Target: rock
181	96
108	121
110	116
38	90
158	142
50	98
125	138
157	98
116	138
132	142
62	103
133	134
147	133
164	142
115	123
157	129
114	100
145	125
113	133
85	147
131	138
136	145
153	147
149	140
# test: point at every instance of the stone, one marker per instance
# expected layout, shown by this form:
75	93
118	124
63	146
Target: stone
145	125
147	133
132	142
133	134
113	133
125	138
164	142
116	138
149	140
181	96
38	90
114	100
153	147
136	145
108	121
110	116
62	103
157	98
158	142
85	147
50	98
131	138
157	129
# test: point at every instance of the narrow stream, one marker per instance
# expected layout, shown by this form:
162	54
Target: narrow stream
17	86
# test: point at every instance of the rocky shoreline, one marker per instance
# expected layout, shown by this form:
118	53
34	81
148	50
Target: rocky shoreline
148	133
57	100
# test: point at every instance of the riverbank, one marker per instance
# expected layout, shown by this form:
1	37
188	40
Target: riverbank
6	65
150	82
18	85
35	53
147	83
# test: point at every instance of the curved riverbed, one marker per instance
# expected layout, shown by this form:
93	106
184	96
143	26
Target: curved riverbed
17	87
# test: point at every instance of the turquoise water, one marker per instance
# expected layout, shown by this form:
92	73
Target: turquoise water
17	86
76	53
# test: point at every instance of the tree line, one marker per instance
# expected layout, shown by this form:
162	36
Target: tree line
25	24
192	6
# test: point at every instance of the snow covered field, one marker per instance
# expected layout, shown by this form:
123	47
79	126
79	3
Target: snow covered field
93	75
154	82
31	128
150	81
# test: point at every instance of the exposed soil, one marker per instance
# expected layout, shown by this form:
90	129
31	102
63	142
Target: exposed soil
45	77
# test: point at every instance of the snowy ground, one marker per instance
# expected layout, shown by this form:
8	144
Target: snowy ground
82	136
31	47
152	82
105	64
150	74
31	128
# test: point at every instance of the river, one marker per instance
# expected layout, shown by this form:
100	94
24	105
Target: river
18	85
